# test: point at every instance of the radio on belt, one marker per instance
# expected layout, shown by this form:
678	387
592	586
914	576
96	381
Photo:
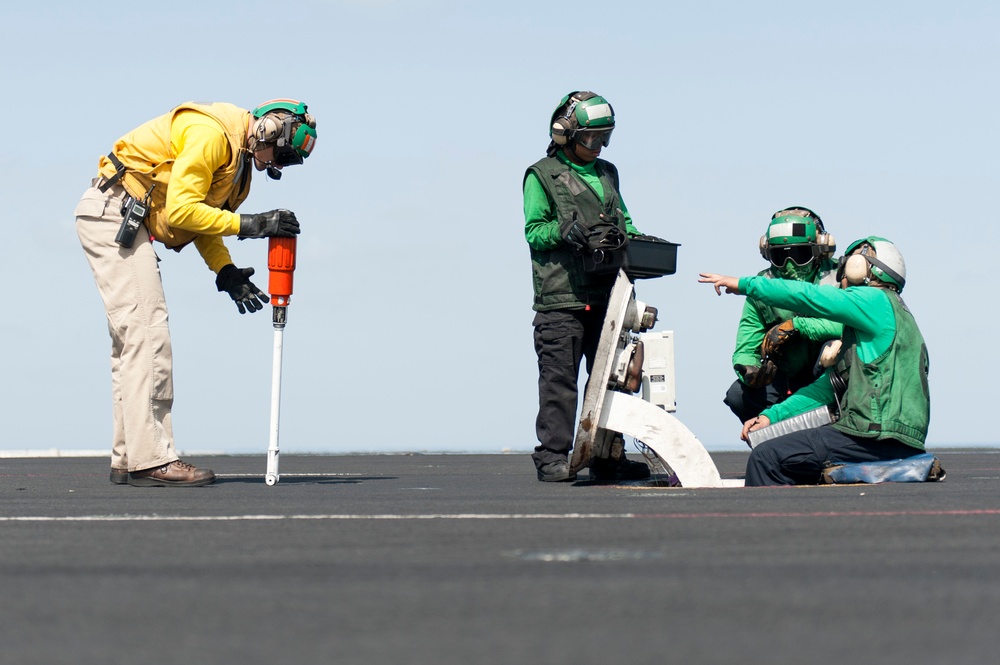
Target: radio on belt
134	213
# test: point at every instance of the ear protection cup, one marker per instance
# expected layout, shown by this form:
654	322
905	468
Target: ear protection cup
268	128
826	242
855	269
560	131
860	267
563	125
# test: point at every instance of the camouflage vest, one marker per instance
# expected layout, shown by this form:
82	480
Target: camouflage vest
888	398
558	277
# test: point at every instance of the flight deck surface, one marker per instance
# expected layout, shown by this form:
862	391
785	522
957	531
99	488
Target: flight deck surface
469	559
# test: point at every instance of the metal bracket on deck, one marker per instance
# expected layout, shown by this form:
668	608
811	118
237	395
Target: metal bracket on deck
610	408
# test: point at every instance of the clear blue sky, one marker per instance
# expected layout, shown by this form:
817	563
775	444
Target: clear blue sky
410	325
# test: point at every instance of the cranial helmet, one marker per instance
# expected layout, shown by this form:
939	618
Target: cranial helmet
583	117
285	125
873	257
796	234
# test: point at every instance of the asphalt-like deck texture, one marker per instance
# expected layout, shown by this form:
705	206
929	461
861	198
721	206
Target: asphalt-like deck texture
469	559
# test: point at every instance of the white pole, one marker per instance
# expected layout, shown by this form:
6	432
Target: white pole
272	449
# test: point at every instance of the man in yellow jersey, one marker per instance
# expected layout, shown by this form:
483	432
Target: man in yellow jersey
177	179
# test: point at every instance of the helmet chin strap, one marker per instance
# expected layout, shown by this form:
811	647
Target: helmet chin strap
888	271
253	145
273	172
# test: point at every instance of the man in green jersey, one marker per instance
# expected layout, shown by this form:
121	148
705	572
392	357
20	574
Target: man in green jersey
878	383
777	349
574	215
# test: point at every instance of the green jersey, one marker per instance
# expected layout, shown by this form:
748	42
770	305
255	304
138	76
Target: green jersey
883	360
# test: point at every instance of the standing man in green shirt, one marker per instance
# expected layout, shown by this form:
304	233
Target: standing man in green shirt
878	384
777	348
572	206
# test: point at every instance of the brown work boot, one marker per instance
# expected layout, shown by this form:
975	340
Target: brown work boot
174	474
937	473
119	476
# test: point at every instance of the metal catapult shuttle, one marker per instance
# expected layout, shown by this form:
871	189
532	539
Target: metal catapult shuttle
630	357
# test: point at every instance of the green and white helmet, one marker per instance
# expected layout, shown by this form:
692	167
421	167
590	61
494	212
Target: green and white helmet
796	234
883	261
583	117
286	125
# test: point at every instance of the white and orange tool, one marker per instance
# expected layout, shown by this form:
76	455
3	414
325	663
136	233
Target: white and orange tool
281	264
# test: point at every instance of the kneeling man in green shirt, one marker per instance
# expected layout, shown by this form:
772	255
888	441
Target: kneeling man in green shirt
877	385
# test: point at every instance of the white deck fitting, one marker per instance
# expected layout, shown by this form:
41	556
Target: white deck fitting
606	411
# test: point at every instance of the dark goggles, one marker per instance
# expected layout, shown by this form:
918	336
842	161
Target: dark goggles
592	138
800	255
286	155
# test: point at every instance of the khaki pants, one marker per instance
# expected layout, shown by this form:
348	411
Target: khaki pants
141	361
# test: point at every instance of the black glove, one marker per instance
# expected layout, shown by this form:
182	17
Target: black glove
757	377
574	233
605	236
236	282
279	222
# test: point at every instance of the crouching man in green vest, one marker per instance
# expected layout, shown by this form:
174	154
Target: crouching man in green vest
878	383
571	201
776	348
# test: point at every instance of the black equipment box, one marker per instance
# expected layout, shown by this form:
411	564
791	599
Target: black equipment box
650	258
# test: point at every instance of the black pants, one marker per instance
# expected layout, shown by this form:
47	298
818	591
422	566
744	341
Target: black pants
800	457
747	403
562	339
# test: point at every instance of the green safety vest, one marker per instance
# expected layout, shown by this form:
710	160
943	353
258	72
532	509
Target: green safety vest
888	398
558	277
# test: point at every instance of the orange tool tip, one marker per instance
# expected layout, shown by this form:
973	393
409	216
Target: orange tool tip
281	264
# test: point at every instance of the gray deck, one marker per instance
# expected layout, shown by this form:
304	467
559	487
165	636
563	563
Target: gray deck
468	559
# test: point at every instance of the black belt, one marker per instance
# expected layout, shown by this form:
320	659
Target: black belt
119	172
